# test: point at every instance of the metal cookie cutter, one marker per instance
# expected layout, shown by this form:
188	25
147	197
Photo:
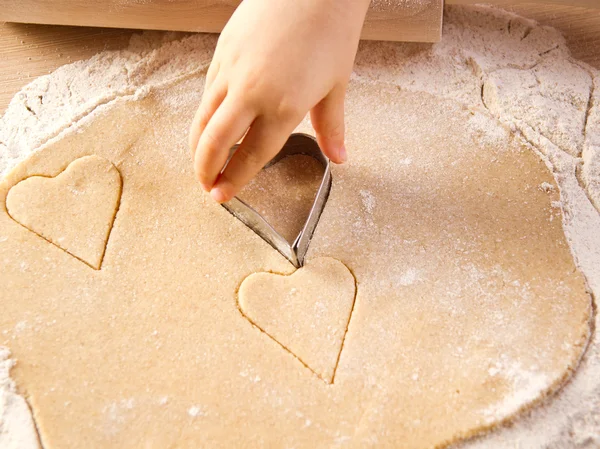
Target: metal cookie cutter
294	252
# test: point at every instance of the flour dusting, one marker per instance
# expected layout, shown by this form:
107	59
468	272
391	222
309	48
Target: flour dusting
17	430
527	384
497	65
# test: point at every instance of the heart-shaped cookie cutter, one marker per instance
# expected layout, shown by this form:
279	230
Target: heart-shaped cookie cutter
297	143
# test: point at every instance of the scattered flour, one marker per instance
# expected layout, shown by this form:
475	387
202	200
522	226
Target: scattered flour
546	187
368	200
195	411
494	63
409	277
527	384
17	430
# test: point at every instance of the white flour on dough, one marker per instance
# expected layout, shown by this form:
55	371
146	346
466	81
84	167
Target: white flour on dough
492	62
17	430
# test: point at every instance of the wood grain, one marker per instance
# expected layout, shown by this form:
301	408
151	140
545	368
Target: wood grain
394	21
503	3
28	51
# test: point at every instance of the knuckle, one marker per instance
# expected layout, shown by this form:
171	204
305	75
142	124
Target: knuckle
288	109
211	73
202	174
253	80
335	130
251	89
201	169
209	143
203	114
196	128
249	157
203	178
269	99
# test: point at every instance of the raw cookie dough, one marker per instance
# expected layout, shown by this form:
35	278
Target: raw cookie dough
286	208
468	305
17	429
75	210
307	313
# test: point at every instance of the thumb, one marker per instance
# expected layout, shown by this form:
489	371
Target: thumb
328	120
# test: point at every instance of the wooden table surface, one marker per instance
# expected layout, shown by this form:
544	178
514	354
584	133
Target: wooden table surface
28	51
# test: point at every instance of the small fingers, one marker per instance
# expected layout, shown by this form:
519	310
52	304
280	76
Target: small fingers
211	74
226	126
211	100
262	142
327	118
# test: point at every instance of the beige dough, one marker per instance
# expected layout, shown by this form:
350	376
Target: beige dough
307	312
468	304
75	210
285	208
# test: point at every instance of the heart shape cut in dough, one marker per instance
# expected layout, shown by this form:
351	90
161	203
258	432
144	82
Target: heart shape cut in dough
74	210
307	312
284	193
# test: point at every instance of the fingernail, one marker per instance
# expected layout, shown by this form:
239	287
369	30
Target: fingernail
205	187
343	154
218	195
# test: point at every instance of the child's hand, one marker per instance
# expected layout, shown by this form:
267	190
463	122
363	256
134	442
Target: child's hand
275	61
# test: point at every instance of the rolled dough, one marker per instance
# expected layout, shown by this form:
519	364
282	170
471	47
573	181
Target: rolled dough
286	208
75	210
308	312
468	307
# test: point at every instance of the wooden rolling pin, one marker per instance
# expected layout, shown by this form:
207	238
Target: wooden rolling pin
393	20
